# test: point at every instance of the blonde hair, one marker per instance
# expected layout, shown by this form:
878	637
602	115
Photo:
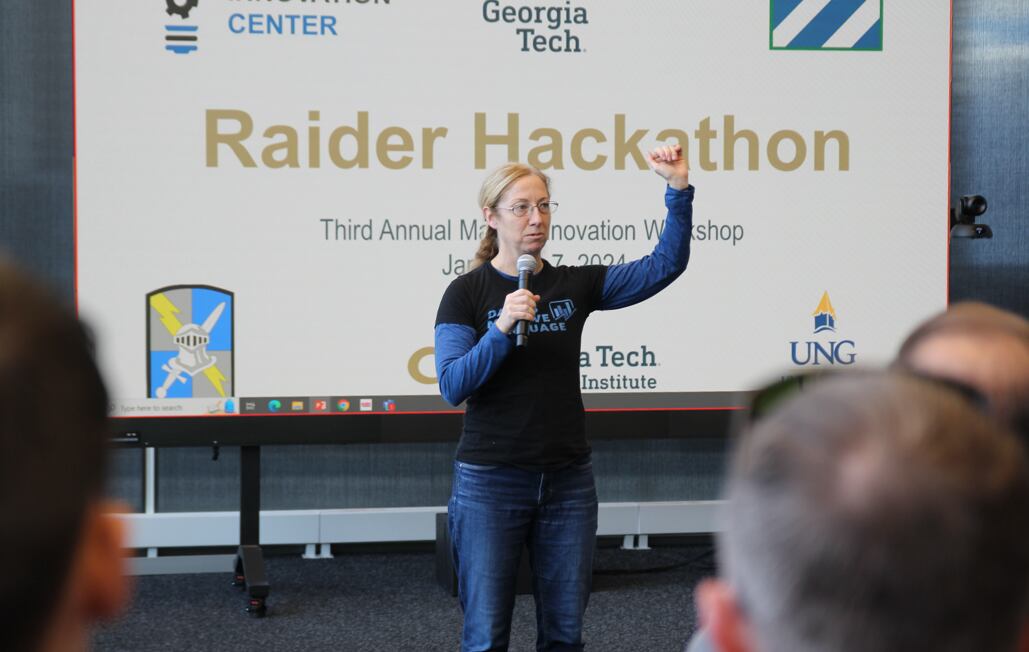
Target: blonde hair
493	188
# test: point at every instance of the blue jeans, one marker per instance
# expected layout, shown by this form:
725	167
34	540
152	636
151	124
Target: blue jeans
493	512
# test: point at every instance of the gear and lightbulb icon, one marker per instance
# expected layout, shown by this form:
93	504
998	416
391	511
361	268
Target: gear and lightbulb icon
180	39
181	7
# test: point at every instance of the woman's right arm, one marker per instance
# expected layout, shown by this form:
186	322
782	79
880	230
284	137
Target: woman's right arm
464	365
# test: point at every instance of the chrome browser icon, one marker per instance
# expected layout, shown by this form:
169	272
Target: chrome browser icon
342	405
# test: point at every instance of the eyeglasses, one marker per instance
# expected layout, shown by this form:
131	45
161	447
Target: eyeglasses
522	209
771	397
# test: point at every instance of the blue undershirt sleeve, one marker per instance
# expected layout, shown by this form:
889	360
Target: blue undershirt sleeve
462	364
630	283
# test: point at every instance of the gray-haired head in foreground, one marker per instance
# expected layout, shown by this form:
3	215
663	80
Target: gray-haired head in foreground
879	512
981	346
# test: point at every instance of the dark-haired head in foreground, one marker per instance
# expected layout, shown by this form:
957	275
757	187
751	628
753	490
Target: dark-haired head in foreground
873	512
61	555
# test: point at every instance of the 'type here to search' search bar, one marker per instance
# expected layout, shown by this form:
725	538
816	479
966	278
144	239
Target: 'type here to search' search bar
173	407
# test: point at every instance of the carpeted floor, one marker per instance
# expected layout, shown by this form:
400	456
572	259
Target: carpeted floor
390	601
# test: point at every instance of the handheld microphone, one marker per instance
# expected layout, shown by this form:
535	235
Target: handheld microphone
526	266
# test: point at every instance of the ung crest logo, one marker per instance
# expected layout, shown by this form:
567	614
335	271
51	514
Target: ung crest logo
817	352
826	25
825	316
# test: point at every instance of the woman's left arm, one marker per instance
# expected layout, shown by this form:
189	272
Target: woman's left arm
641	279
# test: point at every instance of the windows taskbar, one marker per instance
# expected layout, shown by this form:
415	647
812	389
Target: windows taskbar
407	404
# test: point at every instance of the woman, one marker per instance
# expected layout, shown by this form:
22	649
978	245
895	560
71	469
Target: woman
523	474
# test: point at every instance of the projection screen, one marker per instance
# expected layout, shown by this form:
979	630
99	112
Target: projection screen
271	197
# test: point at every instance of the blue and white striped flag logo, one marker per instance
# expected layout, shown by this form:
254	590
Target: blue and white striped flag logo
827	25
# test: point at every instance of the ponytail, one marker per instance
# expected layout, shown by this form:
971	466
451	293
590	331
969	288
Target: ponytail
487	248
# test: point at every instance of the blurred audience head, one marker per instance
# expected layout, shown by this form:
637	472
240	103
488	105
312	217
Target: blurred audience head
61	551
873	511
981	346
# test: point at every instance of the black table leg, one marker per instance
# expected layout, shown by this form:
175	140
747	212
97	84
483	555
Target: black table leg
249	570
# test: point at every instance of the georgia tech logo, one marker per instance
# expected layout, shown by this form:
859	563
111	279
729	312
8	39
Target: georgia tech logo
540	29
818	352
414	365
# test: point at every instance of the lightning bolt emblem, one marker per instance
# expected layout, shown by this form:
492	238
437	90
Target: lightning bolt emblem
216	377
167	310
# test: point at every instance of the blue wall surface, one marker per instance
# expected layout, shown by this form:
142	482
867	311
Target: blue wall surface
989	146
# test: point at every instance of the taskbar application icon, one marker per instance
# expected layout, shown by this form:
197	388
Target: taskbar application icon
258	405
254	405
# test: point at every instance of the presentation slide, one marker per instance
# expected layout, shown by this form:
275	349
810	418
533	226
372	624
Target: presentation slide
272	197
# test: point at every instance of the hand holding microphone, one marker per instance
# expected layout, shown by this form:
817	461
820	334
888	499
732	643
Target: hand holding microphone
520	306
